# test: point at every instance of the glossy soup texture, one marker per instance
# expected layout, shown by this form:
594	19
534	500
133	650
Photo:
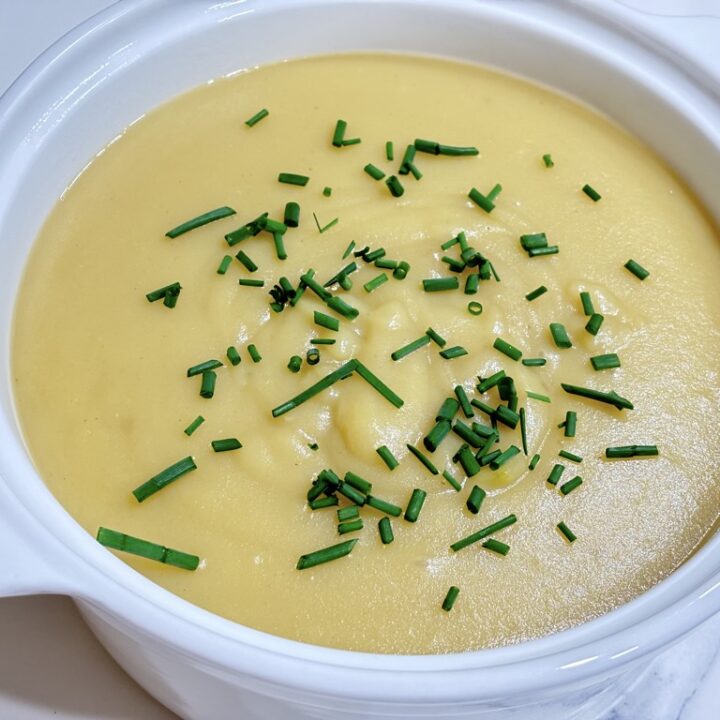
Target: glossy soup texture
103	398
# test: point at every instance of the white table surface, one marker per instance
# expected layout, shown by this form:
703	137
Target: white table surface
51	666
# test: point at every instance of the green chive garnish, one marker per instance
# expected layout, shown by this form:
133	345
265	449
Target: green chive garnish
386	531
351	493
533	463
468	461
481	200
567	532
401	271
472	284
350	248
375	283
570	485
570	456
224	265
387	457
439	432
475	308
629	451
453	352
292	215
295	363
374	172
389	153
322	341
448	409
523	430
492	381
383	506
194	425
438	339
202	367
424	459
464	401
407	160
279	246
226	445
379	385
605	362
293	179
507	349
536	293
547	159
200	220
246	261
254	354
469	435
560	336
233	356
319	503
327	554
538	396
504	456
539	252
570	423
637	269
450	598
342	372
207	386
251	283
339	133
436	148
481	534
533	241
452	481
594	323
357	482
593	194
555	474
415	505
159	481
395	186
322	229
257	117
129	544
351	526
496	546
474	501
612	398
326	321
587	303
312	357
167	294
534	362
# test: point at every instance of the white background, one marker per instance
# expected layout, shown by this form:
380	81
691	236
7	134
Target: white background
50	664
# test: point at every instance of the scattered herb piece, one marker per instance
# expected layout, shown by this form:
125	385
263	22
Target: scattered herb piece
199	221
567	532
593	194
637	269
152	551
386	531
226	445
450	598
629	451
194	425
415	504
167	476
293	179
327	554
387	457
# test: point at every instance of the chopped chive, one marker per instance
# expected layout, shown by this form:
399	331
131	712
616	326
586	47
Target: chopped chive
560	336
292	215
342	308
484	431
375	283
163	292
566	532
357	482
395	186
612	398
415	504
233	356
637	269
326	321
448	409
327	554
342	372
605	362
313	446
387	457
379	385
497	189
438	339
534	362
171	297
570	423
539	252
587	303
452	241
351	493
547	159
327	190
404	351
467	460
383	506
401	271
159	481
207	386
407	160
322	229
486	459
199	221
252	228
570	456
273	226
279	246
319	503
594	323
254	354
507	349
496	546
245	282
481	534
295	363
523	430
490	382
351	526
226	445
450	598
453	264
224	265
312	357
374	172
347	270
257	117
194	425
143	548
475	308
322	341
246	261
386	264
200	368
453	352
536	293
571	485
386	531
424	459
474	501
481	200
438	433
293	179
309	281
629	451
472	284
468	435
464	401
339	133
533	241
452	481
457	151
555	474
593	194
533	463
538	396
348	250
504	456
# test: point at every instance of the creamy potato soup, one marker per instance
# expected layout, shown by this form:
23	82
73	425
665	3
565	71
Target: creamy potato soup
476	363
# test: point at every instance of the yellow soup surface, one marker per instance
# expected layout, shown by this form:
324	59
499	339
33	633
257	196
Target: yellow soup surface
103	397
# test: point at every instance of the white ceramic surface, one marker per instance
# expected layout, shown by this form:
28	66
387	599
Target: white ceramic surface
67	577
